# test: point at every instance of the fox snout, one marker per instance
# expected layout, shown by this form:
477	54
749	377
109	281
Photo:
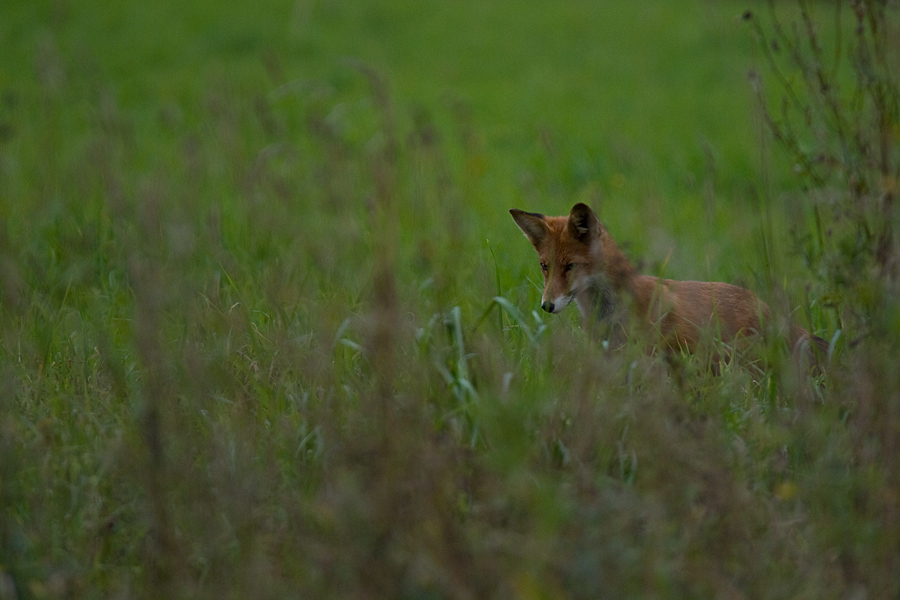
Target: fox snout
556	305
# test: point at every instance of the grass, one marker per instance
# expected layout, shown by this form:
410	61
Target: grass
267	329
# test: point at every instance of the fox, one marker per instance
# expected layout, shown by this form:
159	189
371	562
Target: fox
582	263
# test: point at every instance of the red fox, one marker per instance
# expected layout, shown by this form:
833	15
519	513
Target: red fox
581	262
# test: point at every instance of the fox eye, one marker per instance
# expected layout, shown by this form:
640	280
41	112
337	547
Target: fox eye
570	266
544	267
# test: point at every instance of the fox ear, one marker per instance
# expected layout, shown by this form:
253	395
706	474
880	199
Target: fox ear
531	224
583	223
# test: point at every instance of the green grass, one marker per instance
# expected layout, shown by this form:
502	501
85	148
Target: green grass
250	344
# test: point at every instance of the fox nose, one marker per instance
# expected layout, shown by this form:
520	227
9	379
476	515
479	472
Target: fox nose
547	306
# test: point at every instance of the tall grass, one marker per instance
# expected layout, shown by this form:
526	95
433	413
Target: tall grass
832	107
256	355
834	116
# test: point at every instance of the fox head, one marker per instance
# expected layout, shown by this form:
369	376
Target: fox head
569	251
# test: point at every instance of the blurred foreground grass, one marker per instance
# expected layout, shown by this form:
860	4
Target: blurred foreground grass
247	262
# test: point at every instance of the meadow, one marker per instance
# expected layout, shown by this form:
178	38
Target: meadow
267	328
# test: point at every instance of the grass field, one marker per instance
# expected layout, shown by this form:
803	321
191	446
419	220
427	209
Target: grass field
249	341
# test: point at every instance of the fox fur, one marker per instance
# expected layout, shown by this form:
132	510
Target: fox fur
581	262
